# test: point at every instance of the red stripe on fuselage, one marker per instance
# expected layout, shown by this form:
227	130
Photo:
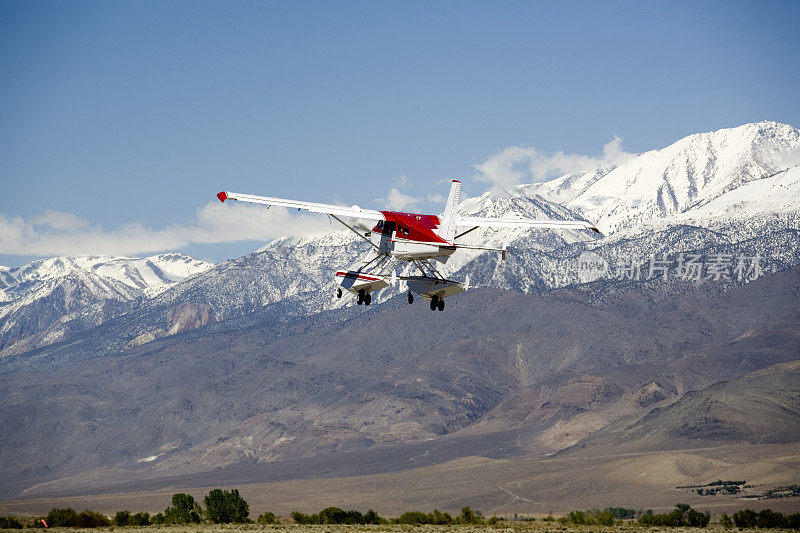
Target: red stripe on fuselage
421	228
359	276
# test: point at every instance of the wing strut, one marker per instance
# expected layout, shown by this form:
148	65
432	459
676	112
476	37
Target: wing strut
464	233
351	228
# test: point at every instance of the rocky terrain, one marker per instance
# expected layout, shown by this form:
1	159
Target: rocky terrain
141	374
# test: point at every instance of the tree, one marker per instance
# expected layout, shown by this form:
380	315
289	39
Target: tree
267	518
697	519
89	518
66	517
9	522
140	519
122	518
745	518
725	521
224	507
184	510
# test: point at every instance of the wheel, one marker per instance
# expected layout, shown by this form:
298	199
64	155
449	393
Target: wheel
434	303
440	305
339	292
367	299
410	298
360	298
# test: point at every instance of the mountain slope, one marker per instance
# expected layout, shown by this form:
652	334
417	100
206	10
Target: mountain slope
686	175
52	299
549	368
762	407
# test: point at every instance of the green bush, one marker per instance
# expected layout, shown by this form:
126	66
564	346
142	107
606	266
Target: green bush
184	510
725	521
89	518
122	518
413	518
140	519
745	518
267	518
594	517
9	522
158	519
226	506
697	518
66	517
335	515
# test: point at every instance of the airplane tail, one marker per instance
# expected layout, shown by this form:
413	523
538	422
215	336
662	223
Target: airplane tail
448	228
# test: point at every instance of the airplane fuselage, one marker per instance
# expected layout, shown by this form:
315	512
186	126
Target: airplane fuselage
410	236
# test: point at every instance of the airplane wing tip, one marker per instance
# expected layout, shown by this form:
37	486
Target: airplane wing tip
222	196
595	229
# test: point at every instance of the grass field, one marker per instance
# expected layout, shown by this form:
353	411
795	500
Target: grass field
516	526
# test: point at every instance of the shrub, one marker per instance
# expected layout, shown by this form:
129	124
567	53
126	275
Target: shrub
122	518
9	522
697	518
745	518
158	519
591	518
413	518
184	510
226	506
66	517
89	518
140	519
267	518
725	521
769	518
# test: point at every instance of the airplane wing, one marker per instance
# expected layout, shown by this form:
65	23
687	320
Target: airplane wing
525	223
335	210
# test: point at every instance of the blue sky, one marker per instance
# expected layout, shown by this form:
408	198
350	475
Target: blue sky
122	120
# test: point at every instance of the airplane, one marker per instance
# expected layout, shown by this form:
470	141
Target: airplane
410	237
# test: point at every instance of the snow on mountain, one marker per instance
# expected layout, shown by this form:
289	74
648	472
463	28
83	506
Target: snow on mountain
687	175
49	299
734	191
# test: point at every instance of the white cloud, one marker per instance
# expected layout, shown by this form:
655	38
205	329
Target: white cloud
527	164
437	198
59	233
399	201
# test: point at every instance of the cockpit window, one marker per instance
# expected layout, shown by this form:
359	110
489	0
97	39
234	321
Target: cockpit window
388	227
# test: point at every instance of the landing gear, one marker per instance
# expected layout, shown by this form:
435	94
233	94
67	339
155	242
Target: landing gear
410	298
363	297
437	303
339	292
440	305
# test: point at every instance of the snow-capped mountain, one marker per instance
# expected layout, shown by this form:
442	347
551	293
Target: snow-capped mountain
730	192
49	299
736	172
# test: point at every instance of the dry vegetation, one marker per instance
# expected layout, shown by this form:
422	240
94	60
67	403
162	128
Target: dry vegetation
507	526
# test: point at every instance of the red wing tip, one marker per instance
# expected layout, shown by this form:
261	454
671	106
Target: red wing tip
456	181
222	196
595	230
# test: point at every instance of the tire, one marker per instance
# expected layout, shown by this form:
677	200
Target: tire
410	298
440	305
339	292
367	299
433	304
359	299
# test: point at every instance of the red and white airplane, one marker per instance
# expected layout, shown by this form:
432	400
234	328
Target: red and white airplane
410	237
